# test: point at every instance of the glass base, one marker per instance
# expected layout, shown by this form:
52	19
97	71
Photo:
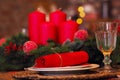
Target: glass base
107	69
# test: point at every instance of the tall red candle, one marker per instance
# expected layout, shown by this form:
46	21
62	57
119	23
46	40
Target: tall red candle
47	31
67	30
34	20
57	17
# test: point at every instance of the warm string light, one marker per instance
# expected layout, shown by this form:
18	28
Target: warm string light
81	15
79	20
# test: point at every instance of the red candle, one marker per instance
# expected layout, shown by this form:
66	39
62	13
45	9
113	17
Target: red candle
34	20
67	30
57	17
47	31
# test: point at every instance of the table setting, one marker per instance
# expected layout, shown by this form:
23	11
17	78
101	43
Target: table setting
59	49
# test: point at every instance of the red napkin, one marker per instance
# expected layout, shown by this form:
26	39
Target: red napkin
63	59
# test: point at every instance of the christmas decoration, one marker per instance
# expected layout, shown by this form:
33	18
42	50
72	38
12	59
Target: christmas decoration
57	17
63	59
34	20
81	15
19	52
29	46
81	34
67	30
47	30
2	41
12	56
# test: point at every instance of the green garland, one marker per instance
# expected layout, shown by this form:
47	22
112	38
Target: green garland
12	56
53	47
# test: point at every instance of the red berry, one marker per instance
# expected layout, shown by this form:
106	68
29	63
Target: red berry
29	46
81	34
2	41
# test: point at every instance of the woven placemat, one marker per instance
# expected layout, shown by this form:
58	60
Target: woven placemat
36	76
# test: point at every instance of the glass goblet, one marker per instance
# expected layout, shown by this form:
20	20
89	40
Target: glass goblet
106	36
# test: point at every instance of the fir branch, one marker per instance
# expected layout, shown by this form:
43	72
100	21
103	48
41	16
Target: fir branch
42	50
61	49
19	39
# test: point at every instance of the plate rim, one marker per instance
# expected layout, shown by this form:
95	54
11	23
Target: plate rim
66	68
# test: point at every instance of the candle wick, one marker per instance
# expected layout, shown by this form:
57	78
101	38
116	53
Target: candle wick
69	18
47	17
60	9
40	9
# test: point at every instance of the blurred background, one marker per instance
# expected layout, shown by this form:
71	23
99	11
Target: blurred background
14	13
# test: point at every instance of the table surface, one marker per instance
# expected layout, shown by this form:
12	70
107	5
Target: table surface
9	75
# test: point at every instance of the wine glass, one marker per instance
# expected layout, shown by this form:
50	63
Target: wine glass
106	36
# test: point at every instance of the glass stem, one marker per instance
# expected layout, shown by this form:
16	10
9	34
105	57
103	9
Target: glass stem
107	62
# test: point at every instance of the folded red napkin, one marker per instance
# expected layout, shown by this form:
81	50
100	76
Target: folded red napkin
63	59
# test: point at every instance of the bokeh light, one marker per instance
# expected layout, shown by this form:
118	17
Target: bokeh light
80	9
79	21
82	14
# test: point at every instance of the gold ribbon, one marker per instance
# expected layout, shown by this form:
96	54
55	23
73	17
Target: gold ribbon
60	59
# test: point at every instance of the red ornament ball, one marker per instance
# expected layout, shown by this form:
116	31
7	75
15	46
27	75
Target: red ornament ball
2	41
81	34
29	46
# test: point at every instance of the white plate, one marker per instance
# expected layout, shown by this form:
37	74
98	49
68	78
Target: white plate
67	68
